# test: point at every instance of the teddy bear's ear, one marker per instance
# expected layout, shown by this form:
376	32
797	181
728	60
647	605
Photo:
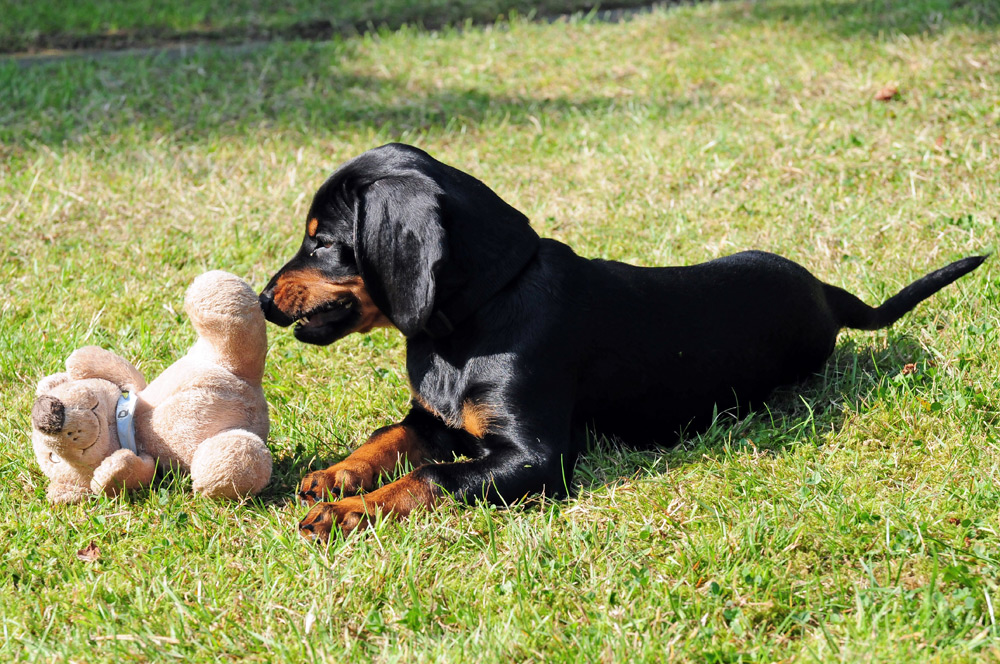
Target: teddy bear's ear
94	362
49	383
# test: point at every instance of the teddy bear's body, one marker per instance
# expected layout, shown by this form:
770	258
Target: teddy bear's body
205	414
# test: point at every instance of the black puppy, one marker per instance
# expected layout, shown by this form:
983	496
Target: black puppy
513	341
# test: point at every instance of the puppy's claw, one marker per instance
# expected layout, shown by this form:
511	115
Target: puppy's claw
342	479
315	486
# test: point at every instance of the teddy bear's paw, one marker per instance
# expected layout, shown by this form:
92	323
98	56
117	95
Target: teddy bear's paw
109	488
122	470
232	464
342	479
103	478
63	493
106	481
347	515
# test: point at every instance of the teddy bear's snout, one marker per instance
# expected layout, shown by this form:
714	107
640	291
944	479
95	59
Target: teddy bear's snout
48	415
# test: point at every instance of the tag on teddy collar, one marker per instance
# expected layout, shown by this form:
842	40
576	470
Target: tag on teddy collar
123	416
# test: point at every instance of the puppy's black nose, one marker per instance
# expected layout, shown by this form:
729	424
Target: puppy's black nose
271	311
48	414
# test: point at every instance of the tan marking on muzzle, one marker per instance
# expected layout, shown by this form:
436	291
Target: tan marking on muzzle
298	292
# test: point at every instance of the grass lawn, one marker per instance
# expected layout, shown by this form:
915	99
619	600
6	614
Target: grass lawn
46	24
854	520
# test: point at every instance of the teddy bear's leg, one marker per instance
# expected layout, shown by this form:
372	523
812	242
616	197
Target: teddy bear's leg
231	464
226	313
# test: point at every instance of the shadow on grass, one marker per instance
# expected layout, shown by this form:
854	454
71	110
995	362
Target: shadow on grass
254	20
851	18
856	375
314	88
302	88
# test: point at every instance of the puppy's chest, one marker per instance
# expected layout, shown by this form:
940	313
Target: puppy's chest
448	393
440	392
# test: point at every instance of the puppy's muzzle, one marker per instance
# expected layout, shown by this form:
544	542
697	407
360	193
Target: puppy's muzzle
271	311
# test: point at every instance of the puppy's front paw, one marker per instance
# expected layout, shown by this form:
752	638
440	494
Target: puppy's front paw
343	479
348	515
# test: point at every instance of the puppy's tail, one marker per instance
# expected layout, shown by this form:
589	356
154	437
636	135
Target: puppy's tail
852	312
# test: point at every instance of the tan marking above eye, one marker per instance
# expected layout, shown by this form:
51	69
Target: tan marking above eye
312	227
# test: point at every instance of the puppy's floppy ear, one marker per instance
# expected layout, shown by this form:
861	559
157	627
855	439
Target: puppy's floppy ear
400	245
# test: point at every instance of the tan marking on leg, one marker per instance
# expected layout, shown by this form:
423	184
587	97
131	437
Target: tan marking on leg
406	494
477	418
397	500
383	452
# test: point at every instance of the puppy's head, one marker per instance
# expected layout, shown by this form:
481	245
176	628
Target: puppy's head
388	235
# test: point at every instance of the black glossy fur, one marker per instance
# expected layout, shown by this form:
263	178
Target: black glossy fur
638	352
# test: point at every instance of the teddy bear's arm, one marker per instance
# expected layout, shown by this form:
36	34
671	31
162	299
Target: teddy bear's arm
95	362
123	470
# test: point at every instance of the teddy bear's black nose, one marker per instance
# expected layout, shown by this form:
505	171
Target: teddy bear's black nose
48	414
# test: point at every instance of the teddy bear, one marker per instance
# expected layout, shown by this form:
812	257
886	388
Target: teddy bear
99	428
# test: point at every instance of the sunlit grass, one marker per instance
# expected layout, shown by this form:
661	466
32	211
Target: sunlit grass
856	519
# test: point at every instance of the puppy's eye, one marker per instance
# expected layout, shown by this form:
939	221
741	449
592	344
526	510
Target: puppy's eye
322	245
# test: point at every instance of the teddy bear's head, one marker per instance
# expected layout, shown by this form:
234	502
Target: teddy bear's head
73	431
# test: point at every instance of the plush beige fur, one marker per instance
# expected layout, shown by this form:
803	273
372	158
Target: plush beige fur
205	414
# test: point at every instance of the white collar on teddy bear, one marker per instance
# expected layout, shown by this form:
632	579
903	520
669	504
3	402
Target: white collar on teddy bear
123	416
